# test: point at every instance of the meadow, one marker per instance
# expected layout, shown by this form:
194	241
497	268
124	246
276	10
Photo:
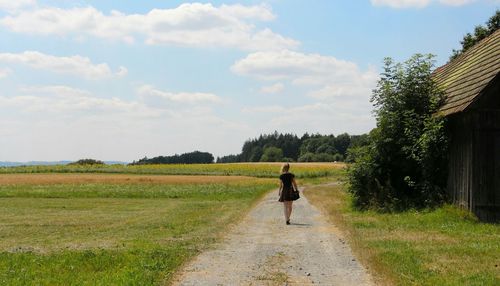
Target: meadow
262	170
123	225
92	225
60	230
443	246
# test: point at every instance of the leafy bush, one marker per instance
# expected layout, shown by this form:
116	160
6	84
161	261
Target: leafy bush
404	165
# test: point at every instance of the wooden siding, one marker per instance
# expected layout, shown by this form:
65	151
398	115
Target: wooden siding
474	167
460	174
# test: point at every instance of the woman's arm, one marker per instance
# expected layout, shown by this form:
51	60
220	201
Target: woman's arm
295	184
280	189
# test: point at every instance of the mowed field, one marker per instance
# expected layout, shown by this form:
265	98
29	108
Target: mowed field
120	229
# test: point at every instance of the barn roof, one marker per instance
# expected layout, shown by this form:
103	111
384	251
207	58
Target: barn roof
464	78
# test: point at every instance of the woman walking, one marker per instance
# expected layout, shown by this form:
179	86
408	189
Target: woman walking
287	185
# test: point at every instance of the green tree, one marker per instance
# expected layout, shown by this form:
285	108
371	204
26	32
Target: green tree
480	32
255	154
272	154
342	142
405	163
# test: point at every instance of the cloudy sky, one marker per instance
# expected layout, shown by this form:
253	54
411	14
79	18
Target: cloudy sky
120	80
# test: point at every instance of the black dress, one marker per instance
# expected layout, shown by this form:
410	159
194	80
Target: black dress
286	193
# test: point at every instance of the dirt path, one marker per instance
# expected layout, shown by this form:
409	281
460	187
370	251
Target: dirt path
262	250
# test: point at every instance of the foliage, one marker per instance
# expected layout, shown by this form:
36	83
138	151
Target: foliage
253	149
87	162
404	165
308	148
195	157
229	159
272	154
320	157
480	32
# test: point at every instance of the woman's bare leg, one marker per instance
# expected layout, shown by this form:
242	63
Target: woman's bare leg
289	209
285	210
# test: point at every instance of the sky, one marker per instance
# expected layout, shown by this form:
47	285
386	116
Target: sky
120	80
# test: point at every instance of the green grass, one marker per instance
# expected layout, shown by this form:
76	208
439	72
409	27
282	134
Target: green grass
266	170
445	246
113	234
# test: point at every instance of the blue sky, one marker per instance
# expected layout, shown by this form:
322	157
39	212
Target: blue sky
119	80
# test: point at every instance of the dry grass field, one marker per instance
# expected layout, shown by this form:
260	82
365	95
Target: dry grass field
263	170
69	178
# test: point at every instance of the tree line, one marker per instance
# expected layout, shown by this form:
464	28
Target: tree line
278	147
195	157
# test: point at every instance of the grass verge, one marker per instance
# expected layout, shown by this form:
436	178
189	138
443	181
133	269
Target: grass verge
445	246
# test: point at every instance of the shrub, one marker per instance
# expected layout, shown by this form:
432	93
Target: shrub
404	165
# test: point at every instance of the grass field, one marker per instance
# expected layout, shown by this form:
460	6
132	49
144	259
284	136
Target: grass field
266	170
446	246
92	229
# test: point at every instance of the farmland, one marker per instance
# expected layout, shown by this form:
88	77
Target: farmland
95	226
263	170
59	230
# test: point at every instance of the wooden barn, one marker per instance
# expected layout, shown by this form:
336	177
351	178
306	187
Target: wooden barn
471	84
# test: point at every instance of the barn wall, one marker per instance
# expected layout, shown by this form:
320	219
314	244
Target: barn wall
461	159
486	184
474	167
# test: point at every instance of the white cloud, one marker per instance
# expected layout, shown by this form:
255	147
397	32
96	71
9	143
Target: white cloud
399	4
76	65
339	91
195	24
61	122
263	109
271	89
301	68
456	2
4	72
157	97
15	5
319	117
63	99
335	77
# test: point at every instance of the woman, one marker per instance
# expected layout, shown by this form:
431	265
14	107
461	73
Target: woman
287	185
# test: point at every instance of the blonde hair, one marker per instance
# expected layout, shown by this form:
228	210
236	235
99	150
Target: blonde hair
285	167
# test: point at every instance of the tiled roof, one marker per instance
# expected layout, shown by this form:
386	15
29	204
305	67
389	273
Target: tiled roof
465	77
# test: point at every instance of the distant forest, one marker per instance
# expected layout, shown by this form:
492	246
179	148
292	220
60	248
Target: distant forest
195	157
277	147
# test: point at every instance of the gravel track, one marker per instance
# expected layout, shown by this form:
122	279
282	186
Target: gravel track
263	250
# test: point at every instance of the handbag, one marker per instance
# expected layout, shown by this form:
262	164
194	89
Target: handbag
295	194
